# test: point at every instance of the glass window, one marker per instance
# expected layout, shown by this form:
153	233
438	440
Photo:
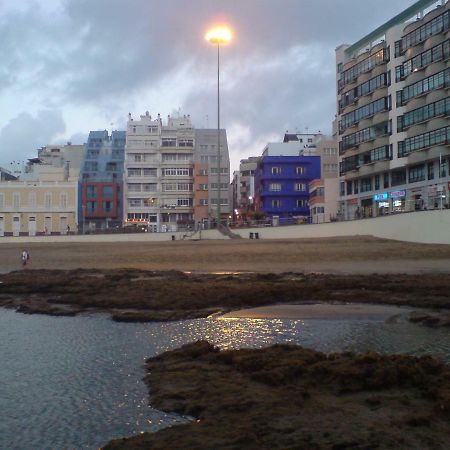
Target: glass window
276	170
91	191
431	171
275	187
107	191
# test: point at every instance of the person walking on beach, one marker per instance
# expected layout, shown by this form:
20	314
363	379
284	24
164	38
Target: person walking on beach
25	257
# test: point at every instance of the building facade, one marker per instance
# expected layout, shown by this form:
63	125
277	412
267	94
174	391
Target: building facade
101	181
163	163
392	112
282	181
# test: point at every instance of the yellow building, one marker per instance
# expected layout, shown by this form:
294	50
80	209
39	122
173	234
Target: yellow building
44	202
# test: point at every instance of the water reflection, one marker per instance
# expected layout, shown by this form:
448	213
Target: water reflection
77	382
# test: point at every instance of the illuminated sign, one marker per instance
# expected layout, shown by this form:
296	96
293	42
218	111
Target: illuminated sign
380	197
396	194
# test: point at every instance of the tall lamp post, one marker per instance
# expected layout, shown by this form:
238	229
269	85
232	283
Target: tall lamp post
217	36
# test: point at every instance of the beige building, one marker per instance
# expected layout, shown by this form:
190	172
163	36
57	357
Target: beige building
393	114
43	200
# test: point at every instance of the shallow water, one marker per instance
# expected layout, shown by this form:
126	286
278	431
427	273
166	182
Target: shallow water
72	383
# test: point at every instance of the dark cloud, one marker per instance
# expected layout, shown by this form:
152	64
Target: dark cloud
278	73
23	134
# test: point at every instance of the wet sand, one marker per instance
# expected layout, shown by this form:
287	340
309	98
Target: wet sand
321	311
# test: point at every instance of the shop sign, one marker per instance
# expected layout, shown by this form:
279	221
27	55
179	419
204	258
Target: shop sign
396	194
381	197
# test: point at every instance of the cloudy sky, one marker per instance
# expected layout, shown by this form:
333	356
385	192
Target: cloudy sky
70	66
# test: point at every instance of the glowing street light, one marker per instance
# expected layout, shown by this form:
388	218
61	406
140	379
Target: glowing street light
219	35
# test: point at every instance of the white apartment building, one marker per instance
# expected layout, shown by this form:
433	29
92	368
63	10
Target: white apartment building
393	114
162	164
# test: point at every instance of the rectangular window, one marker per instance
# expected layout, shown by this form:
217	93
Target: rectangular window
342	188
203	202
276	170
134	172
349	188
275	187
301	170
91	207
443	170
169	187
356	186
203	172
149	187
107	191
276	203
184	202
377	182
398	177
301	203
416	173
300	187
431	171
16	199
63	200
203	187
135	202
385	180
107	206
91	191
366	184
150	172
169	157
168	142
183	187
134	187
48	199
32	200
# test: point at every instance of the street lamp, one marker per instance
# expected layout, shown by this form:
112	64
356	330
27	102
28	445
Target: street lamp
218	35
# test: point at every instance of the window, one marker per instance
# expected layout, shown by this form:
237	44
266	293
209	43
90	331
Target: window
398	177
276	170
169	157
441	107
184	187
425	140
134	172
203	187
177	171
300	187
364	135
431	171
168	142
111	167
184	202
364	112
330	168
356	186
134	187
149	187
416	173
301	203
107	206
168	187
276	203
342	188
91	207
135	202
377	182
386	180
203	202
443	168
222	186
16	199
107	191
366	184
186	143
32	199
91	191
63	199
310	140
275	187
349	188
150	172
300	170
203	172
48	199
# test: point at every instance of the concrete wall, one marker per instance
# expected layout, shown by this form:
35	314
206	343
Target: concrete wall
422	226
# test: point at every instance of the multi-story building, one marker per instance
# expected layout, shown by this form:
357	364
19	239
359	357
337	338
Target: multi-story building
211	180
101	181
162	165
392	111
43	200
323	191
282	178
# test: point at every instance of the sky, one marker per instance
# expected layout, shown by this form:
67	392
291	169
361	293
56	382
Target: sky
71	66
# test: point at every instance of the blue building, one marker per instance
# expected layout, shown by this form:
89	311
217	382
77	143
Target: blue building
282	181
101	181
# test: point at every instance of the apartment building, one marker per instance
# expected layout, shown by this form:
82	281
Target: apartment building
211	180
282	178
43	200
393	115
162	165
101	181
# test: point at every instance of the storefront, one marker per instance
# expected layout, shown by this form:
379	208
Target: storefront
390	202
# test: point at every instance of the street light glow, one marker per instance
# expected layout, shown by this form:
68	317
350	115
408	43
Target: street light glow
219	35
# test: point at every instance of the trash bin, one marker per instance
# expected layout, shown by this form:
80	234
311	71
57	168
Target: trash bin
173	237
275	221
256	235
251	236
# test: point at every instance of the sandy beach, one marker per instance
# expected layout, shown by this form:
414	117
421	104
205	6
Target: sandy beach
341	255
